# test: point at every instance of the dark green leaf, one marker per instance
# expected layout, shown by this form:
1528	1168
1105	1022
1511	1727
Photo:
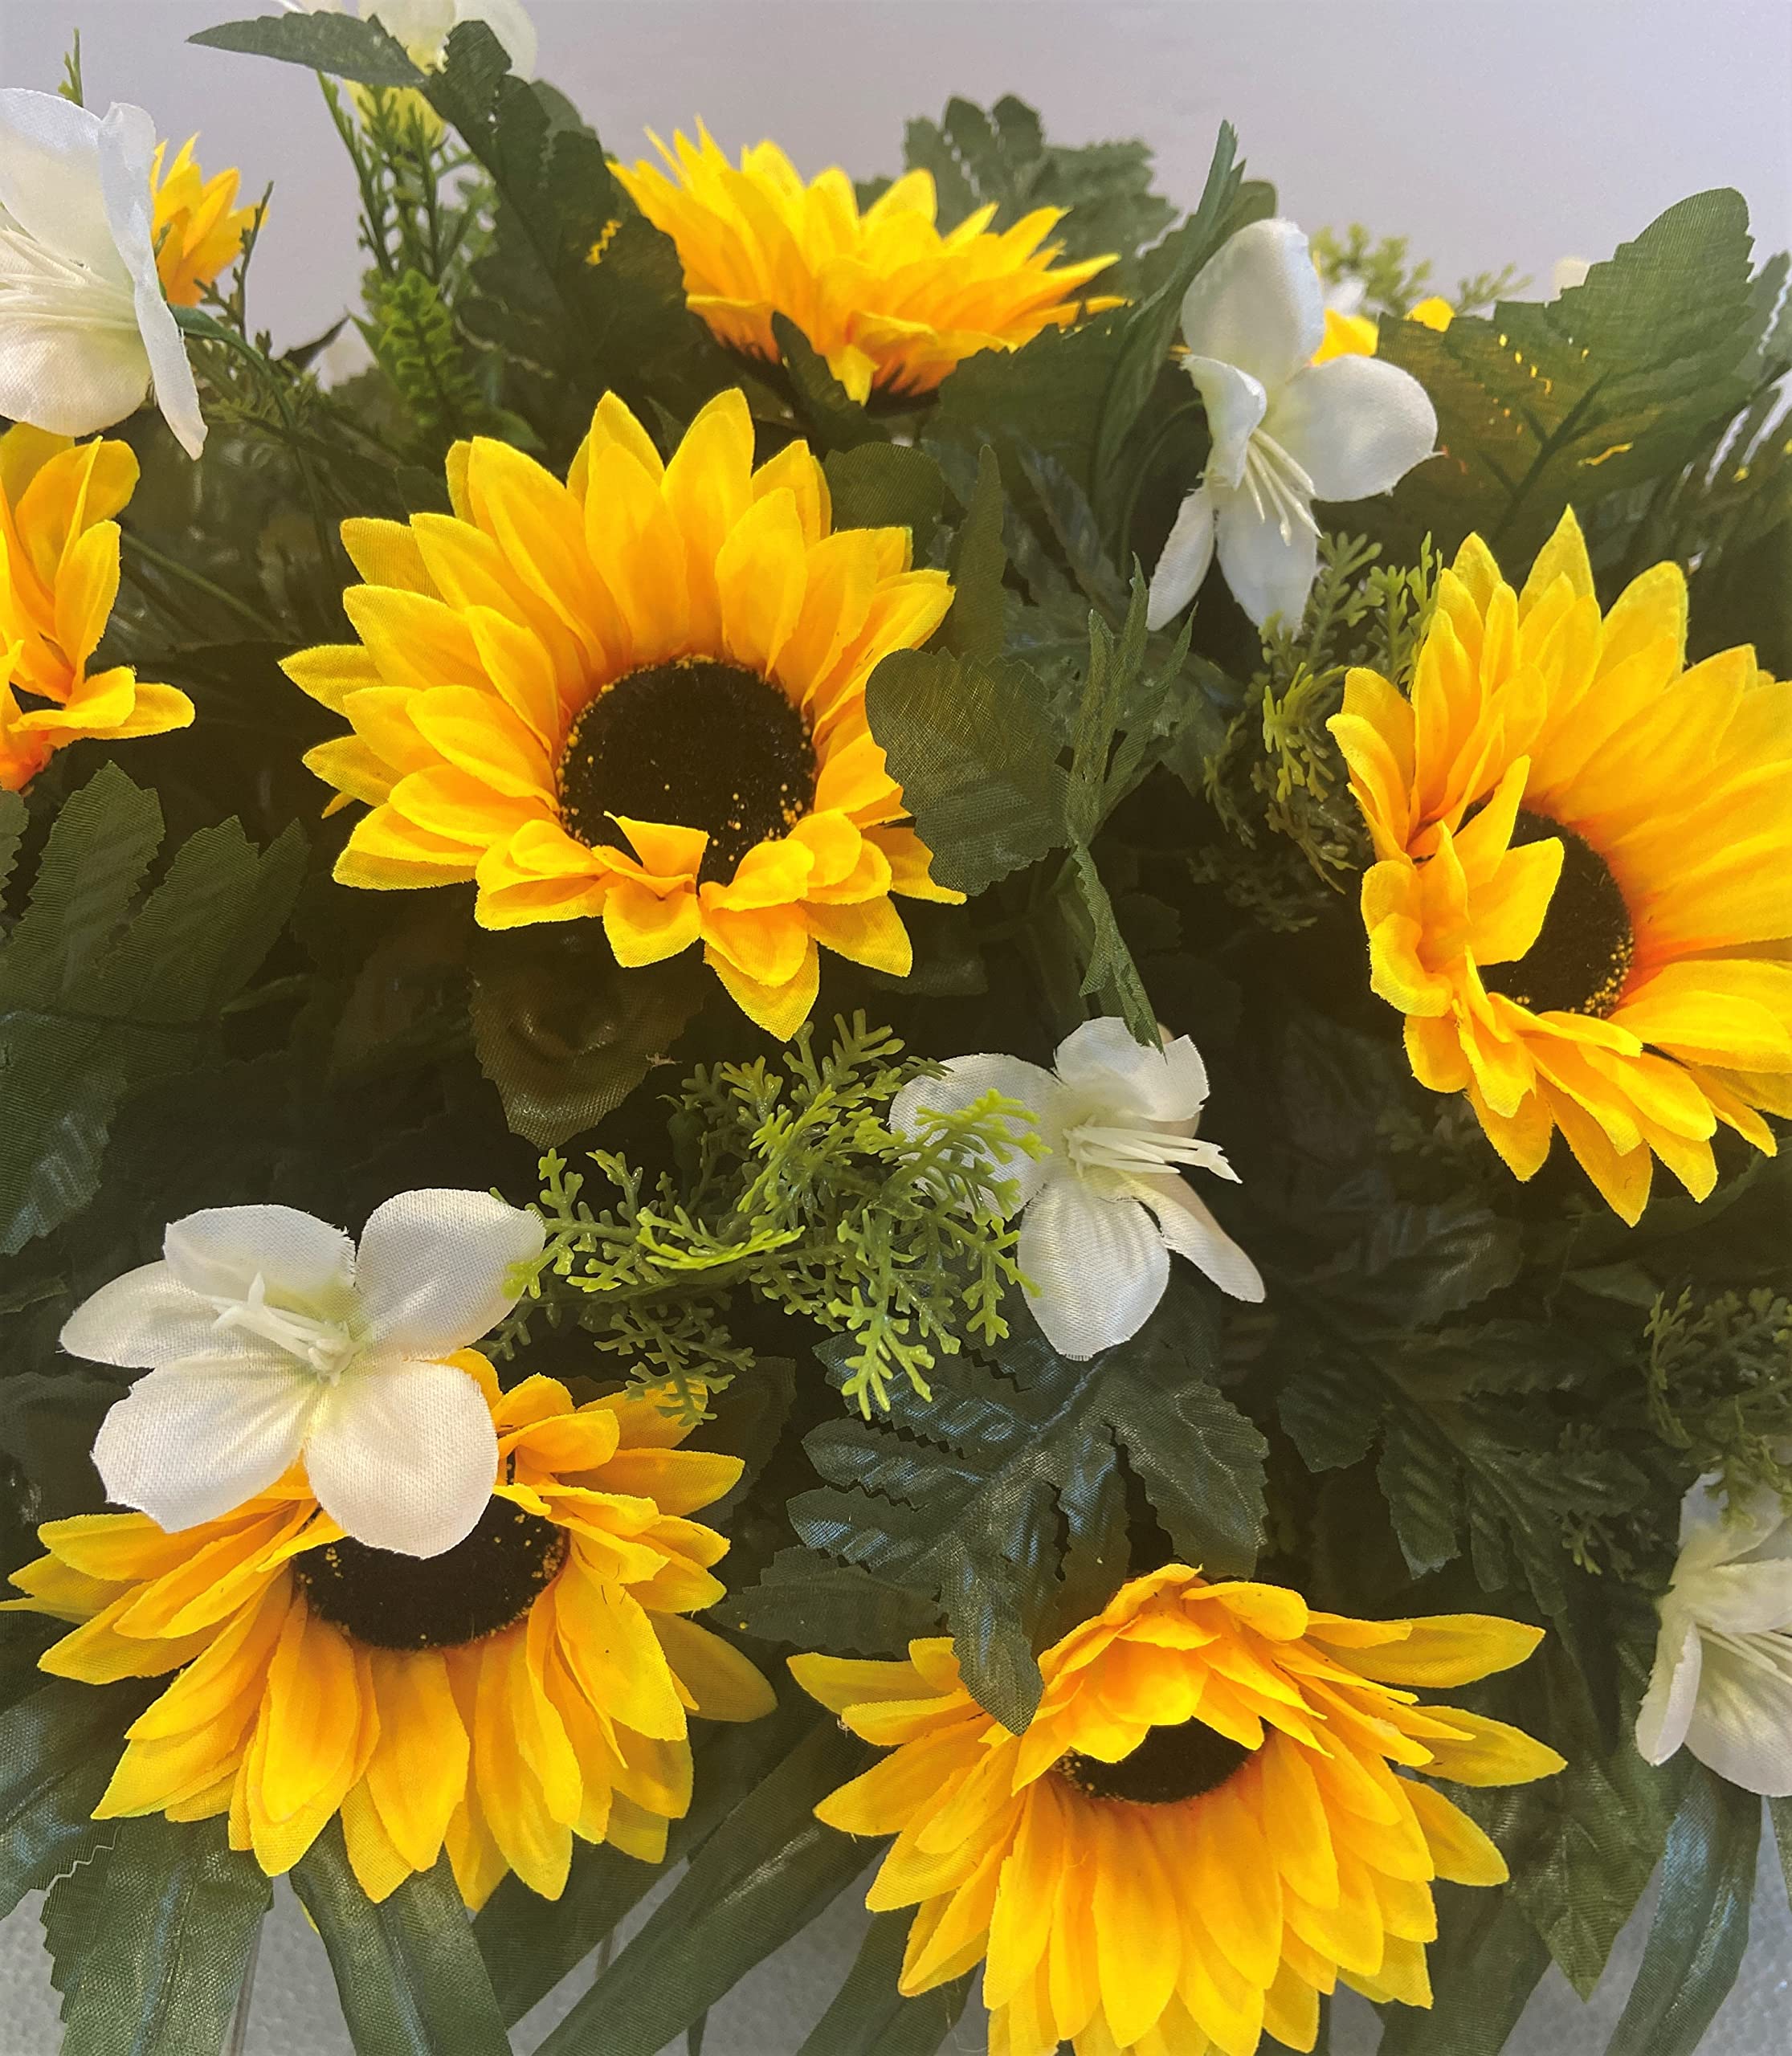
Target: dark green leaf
761	1879
835	420
993	1492
808	1599
72	1912
529	1943
339	44
973	628
566	1036
1110	973
1700	1930
58	1749
973	749
869	2016
408	1971
1484	1965
176	1917
1781	1811
1420	1481
883	485
48	1420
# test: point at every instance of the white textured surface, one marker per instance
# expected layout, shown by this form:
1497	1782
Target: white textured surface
1488	131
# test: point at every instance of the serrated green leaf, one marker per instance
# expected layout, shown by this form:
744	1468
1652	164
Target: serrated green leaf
177	1914
974	628
408	1971
883	485
71	1918
58	1749
761	1878
869	2016
1781	1812
972	745
808	1599
338	44
13	819
1419	1480
994	1491
1700	1929
1560	403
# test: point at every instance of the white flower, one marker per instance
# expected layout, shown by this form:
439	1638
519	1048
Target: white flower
267	1335
1723	1673
1104	1203
85	329
423	26
1285	431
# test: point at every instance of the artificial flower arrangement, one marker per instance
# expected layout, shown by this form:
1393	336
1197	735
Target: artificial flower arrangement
1047	951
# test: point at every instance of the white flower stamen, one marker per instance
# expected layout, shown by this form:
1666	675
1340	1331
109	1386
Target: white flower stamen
324	1347
1096	1145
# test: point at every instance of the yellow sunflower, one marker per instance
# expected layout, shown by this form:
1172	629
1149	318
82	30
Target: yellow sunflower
532	1684
1357	335
1583	902
199	228
883	296
639	694
58	577
1206	1825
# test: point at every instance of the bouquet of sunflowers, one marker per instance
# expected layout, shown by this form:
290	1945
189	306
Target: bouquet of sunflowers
1045	952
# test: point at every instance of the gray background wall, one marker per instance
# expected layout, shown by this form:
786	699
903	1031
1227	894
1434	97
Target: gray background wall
1488	131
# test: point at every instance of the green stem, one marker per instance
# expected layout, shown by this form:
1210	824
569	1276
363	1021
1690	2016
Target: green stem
174	569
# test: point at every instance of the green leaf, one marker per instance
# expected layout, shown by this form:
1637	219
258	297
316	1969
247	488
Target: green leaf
71	1917
176	1917
834	419
1419	1479
48	1420
1700	1930
101	993
883	485
564	1034
1484	1965
408	1971
999	1495
1781	1812
808	1599
1612	383
58	1750
764	1875
337	44
973	748
869	2016
1110	973
973	628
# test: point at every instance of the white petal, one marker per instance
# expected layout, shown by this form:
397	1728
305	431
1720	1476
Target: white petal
1742	1726
1095	1267
1236	403
403	1456
62	374
50	177
1102	1059
1270	572
127	146
192	1442
1258	304
1356	426
966	1080
1188	550
306	1265
1741	1599
1666	1708
1714	1531
1191	1230
146	1317
430	1272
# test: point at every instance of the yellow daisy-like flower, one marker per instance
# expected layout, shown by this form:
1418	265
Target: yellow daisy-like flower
1357	335
199	228
1582	900
1206	1825
639	694
887	299
532	1684
58	577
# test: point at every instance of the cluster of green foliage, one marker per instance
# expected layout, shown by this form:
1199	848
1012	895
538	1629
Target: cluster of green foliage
1460	1393
795	1190
1392	283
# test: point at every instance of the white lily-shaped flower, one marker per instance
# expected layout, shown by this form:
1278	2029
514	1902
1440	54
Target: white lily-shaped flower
1105	1201
423	26
1722	1685
84	328
267	1335
1285	431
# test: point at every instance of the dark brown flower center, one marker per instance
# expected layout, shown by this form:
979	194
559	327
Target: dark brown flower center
1582	954
696	742
1171	1764
482	1584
